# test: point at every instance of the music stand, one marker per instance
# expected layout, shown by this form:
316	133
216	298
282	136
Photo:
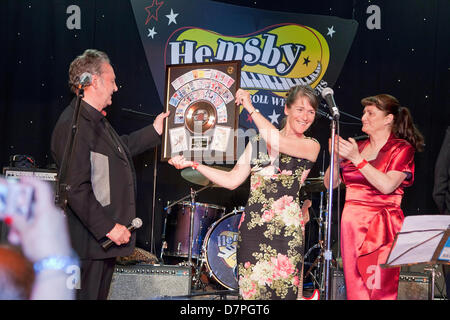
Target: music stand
422	240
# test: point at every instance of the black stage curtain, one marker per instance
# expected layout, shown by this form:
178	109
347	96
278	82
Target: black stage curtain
409	57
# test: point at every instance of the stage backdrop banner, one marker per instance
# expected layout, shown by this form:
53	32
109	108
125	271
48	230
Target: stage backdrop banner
277	50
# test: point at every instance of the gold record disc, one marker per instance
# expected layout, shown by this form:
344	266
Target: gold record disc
200	114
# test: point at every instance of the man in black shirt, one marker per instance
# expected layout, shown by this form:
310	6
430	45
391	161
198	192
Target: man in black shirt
101	200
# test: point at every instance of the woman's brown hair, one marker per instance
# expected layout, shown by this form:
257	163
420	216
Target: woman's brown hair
302	91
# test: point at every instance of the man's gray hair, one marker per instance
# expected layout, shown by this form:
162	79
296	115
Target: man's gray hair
90	61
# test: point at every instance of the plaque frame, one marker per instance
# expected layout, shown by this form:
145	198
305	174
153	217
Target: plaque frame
201	99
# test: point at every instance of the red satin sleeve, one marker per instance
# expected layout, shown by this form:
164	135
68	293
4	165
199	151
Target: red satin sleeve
402	159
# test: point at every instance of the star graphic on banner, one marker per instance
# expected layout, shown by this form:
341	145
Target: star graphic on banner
172	17
306	61
274	117
331	31
153	11
151	32
249	118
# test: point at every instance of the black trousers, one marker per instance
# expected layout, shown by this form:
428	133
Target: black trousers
96	276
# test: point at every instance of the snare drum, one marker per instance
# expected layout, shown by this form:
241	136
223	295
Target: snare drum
178	225
219	249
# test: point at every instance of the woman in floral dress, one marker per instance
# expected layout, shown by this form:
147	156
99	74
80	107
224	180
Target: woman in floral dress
270	247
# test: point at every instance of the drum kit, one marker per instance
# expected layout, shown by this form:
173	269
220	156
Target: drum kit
204	237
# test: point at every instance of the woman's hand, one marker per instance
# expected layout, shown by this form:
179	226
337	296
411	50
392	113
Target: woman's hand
348	149
243	97
180	162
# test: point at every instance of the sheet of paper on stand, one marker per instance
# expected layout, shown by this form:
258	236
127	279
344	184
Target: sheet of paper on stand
418	239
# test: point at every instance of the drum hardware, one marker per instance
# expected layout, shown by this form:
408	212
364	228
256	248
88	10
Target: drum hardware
192	207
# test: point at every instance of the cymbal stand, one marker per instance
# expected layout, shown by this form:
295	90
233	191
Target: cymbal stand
316	276
185	197
191	226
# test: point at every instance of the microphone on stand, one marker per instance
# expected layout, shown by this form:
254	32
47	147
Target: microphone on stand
327	94
135	224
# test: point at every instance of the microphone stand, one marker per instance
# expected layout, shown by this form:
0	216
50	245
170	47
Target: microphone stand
155	174
328	253
61	186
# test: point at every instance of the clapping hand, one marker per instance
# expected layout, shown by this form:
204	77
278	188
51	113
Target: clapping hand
348	149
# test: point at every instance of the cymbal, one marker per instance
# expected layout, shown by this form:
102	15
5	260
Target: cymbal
314	185
196	177
317	185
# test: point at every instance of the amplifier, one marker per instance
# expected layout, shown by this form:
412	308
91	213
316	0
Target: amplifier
412	286
144	282
41	174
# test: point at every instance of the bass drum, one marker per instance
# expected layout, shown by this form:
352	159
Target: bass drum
219	249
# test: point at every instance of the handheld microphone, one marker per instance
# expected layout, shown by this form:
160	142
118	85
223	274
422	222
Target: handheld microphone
85	79
327	94
135	224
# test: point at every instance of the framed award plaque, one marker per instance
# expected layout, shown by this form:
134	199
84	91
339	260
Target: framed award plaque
203	116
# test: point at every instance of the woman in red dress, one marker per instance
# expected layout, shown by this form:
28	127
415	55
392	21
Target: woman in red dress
375	172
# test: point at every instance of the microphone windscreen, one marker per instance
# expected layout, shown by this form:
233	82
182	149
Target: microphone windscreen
327	91
136	223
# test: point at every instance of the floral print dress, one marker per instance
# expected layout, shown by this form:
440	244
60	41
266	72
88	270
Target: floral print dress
271	233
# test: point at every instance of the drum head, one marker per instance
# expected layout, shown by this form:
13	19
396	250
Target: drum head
220	249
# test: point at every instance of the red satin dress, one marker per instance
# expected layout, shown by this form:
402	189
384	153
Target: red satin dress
370	221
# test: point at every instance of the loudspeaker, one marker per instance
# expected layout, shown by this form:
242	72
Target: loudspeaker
143	282
412	286
338	291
